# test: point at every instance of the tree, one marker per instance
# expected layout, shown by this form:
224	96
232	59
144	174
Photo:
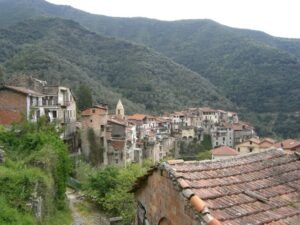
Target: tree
110	186
84	97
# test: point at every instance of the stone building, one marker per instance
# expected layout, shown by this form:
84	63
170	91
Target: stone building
222	135
95	118
254	145
31	98
259	188
17	103
116	152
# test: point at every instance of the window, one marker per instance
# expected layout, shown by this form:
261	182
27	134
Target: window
250	142
54	113
119	112
250	149
239	149
102	127
93	111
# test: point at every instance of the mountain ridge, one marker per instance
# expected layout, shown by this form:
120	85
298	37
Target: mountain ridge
61	50
257	72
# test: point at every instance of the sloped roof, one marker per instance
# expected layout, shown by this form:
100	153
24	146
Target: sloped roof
23	90
255	140
258	188
270	140
89	111
287	144
207	109
224	150
137	117
266	143
117	121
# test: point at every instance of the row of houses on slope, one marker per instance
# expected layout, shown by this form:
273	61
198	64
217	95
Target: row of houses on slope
125	139
255	145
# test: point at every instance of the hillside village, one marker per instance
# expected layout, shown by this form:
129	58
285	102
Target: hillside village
110	137
108	120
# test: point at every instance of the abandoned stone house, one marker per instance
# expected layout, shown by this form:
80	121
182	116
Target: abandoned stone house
17	103
116	141
115	137
257	189
94	118
31	98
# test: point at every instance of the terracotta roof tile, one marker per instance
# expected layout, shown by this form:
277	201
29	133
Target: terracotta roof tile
117	121
23	90
288	144
224	150
137	117
259	188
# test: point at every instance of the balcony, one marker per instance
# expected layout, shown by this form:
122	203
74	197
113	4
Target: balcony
65	104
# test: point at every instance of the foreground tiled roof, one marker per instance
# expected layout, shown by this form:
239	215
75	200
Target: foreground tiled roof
224	150
253	189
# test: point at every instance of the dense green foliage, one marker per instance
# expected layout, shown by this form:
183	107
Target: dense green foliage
36	165
62	51
193	150
1	76
96	149
84	97
256	71
110	186
10	215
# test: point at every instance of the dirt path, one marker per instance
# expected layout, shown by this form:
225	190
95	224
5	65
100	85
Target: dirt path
83	212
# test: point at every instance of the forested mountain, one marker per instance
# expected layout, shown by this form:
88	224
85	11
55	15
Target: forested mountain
258	72
61	51
244	64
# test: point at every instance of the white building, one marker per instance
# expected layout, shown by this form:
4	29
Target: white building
222	136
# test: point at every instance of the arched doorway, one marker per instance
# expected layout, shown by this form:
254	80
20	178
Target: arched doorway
164	221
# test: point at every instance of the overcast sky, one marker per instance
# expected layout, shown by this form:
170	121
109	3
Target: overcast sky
276	17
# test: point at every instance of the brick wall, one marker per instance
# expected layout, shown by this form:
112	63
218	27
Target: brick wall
12	106
161	200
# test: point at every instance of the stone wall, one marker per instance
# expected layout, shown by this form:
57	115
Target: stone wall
162	202
12	105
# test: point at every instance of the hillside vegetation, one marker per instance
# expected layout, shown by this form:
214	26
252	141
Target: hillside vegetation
61	51
257	72
33	176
